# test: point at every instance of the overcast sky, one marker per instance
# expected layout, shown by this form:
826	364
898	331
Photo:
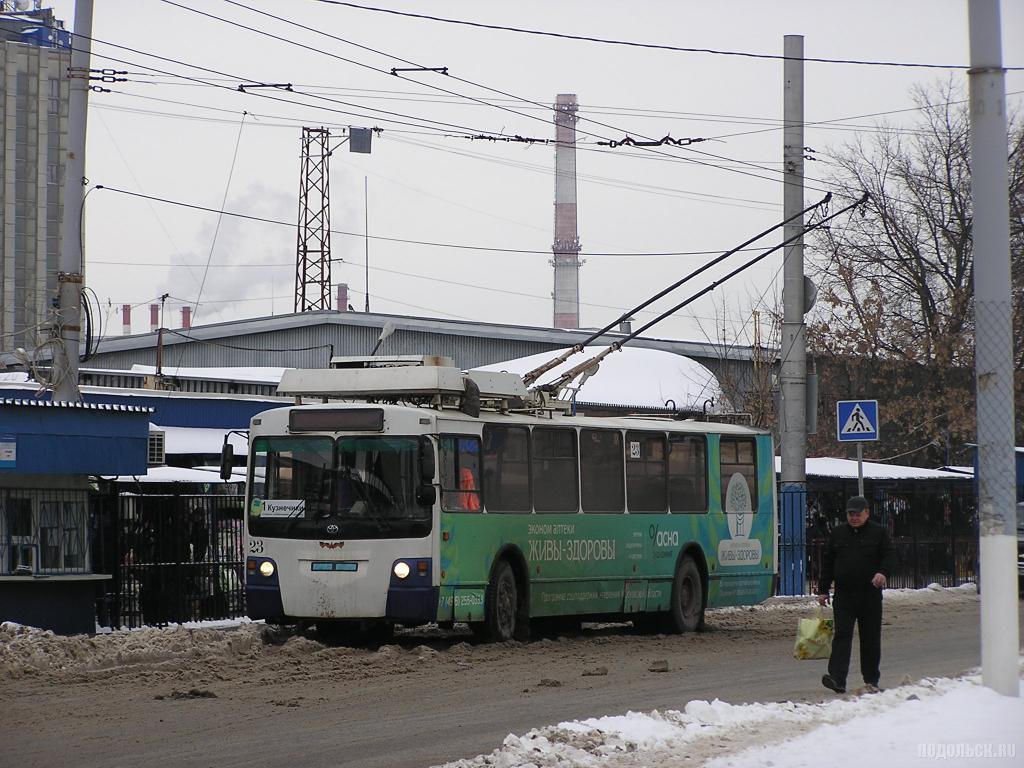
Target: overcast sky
183	136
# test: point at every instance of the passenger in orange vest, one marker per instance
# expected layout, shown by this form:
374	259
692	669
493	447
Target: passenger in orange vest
467	483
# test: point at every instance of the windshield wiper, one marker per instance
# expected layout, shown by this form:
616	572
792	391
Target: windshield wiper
360	489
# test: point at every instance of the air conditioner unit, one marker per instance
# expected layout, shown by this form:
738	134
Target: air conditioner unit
156	455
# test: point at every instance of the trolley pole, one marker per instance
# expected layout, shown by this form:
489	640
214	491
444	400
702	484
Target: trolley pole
993	360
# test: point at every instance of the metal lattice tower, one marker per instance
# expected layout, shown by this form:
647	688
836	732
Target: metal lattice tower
313	258
566	247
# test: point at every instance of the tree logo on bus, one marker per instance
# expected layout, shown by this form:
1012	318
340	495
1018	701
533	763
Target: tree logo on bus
663	538
739	510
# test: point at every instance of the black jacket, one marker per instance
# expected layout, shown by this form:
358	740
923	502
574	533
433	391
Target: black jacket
854	555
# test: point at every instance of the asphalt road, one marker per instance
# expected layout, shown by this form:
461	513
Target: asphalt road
430	699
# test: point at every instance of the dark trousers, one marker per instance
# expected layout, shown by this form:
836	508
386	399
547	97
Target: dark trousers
864	608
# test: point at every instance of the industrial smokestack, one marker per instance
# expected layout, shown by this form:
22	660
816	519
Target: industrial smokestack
566	247
126	319
342	304
154	317
186	317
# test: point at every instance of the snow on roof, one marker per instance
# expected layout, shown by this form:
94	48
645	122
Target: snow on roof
75	404
264	375
179	440
847	469
633	376
181	475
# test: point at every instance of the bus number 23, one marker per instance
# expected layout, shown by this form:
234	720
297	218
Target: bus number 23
255	546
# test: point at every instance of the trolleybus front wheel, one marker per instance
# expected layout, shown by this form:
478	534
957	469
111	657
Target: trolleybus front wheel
501	605
687	611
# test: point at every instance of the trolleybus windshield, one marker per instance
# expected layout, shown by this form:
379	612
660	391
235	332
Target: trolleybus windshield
349	488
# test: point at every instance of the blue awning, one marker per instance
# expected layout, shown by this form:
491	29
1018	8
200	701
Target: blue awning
44	437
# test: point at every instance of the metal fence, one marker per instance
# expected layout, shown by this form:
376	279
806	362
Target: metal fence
174	558
934	528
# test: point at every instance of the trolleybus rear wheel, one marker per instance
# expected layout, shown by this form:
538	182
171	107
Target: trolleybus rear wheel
687	611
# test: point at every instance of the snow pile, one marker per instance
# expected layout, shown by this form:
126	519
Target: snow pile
30	651
899	722
933	594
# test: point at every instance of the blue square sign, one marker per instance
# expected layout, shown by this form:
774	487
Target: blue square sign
856	420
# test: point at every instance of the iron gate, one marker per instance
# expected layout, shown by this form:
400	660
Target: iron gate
174	558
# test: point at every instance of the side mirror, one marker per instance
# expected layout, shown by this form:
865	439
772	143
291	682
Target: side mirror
426	495
227	460
427	466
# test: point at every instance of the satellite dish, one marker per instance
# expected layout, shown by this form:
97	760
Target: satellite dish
23	5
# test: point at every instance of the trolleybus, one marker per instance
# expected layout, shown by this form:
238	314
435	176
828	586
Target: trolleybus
425	494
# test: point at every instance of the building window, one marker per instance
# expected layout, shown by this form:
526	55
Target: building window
43	531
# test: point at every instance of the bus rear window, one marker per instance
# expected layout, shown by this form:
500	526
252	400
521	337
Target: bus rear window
739	474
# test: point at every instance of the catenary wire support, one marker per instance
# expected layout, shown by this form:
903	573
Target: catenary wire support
313	256
243	87
629	141
439	70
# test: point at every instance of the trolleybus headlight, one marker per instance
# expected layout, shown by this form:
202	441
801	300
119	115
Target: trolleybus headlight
401	569
267	568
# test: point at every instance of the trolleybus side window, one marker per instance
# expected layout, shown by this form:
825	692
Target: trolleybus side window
460	473
687	473
645	472
506	479
554	470
601	472
738	457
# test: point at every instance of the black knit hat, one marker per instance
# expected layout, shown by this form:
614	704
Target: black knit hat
856	504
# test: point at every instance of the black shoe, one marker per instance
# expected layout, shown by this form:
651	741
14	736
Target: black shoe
829	682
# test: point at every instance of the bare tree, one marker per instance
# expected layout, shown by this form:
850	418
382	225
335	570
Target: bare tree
755	325
895	311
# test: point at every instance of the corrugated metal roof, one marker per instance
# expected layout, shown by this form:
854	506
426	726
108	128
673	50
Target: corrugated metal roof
79	405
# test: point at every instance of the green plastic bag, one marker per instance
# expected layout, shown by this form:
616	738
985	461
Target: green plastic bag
813	638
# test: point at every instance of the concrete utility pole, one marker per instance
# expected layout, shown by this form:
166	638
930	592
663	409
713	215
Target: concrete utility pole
993	357
793	365
69	278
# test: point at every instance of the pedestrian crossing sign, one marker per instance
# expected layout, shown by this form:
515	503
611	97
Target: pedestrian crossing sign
857	420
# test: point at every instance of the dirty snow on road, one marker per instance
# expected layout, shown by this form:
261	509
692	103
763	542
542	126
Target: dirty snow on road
954	720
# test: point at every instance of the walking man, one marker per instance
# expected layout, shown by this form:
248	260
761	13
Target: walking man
859	557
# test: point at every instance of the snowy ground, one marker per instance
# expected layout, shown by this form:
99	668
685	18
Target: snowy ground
955	721
950	720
